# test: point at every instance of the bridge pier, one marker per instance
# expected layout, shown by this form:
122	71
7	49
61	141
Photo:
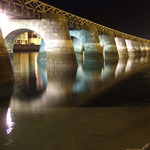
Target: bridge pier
60	52
6	71
147	47
137	48
121	47
130	47
88	35
143	50
93	50
109	46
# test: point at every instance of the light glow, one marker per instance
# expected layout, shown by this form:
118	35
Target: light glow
4	24
3	18
9	122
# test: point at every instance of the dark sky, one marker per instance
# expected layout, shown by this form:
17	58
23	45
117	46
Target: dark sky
129	16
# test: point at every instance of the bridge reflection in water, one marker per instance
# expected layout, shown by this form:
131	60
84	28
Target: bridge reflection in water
87	108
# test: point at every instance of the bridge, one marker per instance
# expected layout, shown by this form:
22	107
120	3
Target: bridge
64	35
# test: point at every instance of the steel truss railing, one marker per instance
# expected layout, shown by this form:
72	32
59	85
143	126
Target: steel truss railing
35	8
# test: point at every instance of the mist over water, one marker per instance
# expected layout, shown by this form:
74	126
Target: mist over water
107	107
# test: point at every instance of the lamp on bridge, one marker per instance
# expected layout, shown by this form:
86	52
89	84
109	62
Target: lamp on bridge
3	18
3	22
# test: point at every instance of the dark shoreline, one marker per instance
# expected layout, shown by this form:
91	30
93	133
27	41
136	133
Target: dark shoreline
26	48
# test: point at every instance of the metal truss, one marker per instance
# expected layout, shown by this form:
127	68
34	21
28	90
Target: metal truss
35	8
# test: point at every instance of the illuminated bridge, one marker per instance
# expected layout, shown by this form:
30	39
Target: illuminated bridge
65	37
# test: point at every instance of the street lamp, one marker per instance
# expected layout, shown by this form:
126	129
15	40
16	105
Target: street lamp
3	18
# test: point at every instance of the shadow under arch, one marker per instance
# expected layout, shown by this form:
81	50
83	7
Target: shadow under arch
79	49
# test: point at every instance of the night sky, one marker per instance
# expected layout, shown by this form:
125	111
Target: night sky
128	16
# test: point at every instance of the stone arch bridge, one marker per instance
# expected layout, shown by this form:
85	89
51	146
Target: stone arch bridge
65	36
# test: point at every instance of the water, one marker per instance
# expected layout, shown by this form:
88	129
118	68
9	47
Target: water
104	108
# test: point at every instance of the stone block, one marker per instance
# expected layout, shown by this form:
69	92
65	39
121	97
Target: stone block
62	41
57	50
62	60
64	50
6	72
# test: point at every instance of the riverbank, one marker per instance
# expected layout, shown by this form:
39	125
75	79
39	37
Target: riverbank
26	48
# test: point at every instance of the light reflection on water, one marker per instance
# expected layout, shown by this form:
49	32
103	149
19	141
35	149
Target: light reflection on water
9	122
65	106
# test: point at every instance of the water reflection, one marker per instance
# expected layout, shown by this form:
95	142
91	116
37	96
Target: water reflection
51	107
130	65
120	70
28	76
9	122
6	91
59	87
67	87
108	74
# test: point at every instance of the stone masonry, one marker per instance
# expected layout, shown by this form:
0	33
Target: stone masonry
6	71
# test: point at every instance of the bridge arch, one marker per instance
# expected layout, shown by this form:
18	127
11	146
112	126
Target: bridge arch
88	35
58	49
11	38
17	27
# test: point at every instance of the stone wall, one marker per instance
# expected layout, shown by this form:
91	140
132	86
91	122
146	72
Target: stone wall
6	72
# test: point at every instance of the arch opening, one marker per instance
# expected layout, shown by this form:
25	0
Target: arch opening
23	47
22	39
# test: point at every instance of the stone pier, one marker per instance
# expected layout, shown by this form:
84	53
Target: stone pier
121	47
6	71
143	50
59	47
109	46
92	47
147	49
88	35
130	47
137	48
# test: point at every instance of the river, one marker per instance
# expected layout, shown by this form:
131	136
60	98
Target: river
105	108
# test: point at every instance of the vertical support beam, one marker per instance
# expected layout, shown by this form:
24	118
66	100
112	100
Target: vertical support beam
6	71
43	8
109	45
92	47
60	52
121	46
130	47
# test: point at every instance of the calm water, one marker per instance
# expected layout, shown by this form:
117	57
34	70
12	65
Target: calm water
105	108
